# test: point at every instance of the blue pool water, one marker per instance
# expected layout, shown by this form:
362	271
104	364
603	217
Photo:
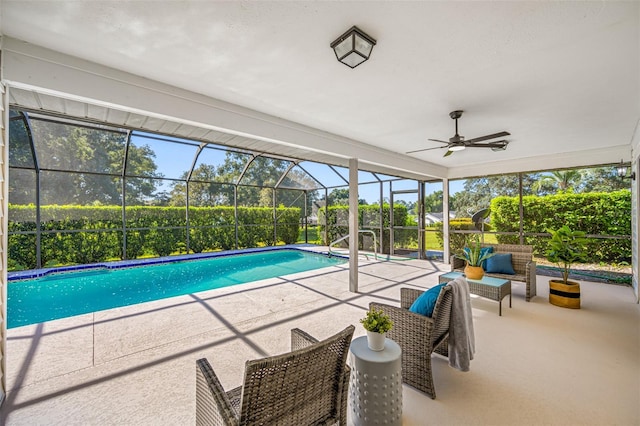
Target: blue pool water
61	295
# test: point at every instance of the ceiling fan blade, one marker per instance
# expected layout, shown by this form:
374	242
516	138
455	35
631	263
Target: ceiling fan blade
448	153
438	140
496	144
487	137
425	149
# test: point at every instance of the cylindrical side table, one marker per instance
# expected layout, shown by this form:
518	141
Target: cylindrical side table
375	387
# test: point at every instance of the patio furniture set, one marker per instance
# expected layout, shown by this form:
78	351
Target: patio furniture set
313	384
524	268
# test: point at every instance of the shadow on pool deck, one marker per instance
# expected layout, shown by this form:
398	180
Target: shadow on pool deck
136	365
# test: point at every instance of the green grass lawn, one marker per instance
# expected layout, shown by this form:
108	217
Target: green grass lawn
313	235
431	240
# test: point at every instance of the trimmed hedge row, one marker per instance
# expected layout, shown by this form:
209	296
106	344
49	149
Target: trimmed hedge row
457	242
210	228
593	213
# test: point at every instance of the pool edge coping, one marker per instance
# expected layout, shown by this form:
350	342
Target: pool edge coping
121	264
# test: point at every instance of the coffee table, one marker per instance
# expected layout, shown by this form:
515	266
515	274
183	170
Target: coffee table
489	287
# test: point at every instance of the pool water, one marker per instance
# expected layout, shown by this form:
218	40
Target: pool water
61	295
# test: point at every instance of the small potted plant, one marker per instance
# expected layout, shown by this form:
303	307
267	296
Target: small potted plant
377	324
474	255
565	248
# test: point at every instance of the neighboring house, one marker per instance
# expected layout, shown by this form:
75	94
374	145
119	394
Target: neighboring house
436	217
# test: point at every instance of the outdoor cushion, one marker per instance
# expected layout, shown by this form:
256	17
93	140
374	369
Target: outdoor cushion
500	263
427	301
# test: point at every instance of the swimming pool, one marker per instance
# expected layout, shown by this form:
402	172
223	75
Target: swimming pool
60	295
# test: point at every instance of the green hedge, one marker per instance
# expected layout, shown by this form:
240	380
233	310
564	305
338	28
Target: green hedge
456	241
368	218
155	231
593	213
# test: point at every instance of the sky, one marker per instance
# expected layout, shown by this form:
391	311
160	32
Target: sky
173	159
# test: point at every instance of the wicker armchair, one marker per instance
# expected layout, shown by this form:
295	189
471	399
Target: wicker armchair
308	386
419	336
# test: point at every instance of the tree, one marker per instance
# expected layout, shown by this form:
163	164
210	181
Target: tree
411	207
140	162
19	147
80	165
433	202
203	189
212	185
478	193
22	186
340	197
558	180
603	179
594	179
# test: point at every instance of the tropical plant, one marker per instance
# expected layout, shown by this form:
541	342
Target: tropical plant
565	248
376	321
561	180
474	255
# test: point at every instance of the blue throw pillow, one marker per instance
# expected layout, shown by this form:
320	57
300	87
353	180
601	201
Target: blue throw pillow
424	304
483	251
500	264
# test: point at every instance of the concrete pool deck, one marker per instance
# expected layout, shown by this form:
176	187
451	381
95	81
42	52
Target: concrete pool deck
136	365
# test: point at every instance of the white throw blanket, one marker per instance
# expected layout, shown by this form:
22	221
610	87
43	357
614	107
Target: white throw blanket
462	341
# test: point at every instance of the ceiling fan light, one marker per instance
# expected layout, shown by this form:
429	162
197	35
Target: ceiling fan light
457	148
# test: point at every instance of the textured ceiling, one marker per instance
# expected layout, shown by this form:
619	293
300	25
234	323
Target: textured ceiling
561	77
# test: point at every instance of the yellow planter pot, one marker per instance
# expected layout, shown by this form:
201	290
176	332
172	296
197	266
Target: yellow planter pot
564	295
474	272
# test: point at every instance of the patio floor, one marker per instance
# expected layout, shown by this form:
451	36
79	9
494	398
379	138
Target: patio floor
537	364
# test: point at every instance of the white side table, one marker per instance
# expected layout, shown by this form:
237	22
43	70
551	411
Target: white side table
375	387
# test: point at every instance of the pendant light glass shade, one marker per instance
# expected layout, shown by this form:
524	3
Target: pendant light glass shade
353	47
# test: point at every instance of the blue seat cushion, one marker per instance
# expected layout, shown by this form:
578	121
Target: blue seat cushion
483	251
425	303
500	263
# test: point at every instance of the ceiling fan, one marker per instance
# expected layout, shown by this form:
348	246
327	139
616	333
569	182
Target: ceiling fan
457	142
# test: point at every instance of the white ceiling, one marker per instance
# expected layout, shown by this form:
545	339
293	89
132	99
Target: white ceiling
562	77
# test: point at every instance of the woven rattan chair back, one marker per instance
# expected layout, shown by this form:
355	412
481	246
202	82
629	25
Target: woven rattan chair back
307	386
441	317
419	336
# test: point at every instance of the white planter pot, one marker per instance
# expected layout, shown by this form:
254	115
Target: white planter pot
375	341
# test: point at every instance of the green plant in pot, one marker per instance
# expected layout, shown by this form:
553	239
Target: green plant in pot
474	255
565	248
377	323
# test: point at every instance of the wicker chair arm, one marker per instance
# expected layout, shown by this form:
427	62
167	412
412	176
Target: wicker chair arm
213	406
300	339
530	276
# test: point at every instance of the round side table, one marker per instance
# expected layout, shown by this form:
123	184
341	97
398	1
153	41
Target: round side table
375	386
